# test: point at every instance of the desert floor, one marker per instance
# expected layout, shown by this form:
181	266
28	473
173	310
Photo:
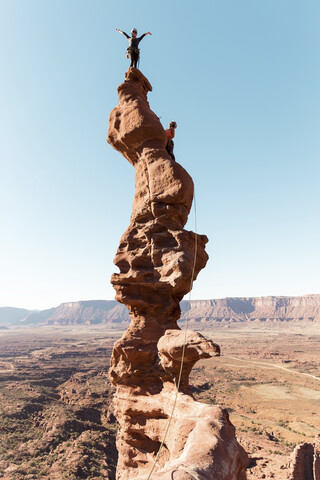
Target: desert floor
56	417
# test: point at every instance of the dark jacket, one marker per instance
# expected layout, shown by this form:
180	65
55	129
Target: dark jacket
134	42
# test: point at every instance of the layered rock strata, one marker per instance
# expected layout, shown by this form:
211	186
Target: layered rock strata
158	260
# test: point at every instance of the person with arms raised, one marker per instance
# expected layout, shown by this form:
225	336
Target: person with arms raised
133	51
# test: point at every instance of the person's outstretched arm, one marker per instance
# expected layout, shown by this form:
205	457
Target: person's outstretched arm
123	33
140	38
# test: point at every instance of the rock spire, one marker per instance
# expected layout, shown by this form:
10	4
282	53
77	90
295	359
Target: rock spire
156	264
305	461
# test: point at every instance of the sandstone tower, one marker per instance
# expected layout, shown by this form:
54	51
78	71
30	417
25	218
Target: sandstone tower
157	263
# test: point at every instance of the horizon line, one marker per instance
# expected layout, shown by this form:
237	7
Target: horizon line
186	300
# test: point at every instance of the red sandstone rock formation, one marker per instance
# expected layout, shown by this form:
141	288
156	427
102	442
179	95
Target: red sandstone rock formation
316	458
156	262
305	461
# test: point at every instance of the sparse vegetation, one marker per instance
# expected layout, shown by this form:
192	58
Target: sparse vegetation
54	410
55	397
263	400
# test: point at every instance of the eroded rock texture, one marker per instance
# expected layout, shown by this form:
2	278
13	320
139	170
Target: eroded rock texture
305	461
156	261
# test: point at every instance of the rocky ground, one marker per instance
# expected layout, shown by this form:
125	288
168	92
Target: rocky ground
55	396
56	420
269	380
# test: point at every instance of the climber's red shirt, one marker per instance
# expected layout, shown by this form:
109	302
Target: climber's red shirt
170	133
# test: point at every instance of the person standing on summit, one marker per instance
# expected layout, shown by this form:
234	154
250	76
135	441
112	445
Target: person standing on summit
133	51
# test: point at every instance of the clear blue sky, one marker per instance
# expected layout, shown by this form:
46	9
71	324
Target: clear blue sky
240	77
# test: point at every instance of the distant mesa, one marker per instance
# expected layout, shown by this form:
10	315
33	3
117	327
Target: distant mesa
12	315
203	313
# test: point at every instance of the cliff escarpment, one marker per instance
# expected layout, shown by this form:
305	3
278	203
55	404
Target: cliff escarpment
304	309
255	309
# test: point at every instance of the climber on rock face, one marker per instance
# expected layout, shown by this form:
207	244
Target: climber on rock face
170	134
133	51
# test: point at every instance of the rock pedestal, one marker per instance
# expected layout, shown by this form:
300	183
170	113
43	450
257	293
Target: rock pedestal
158	259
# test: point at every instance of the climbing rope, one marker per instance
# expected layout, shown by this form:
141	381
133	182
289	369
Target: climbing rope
184	342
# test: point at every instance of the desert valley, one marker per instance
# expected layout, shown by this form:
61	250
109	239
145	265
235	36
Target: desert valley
56	414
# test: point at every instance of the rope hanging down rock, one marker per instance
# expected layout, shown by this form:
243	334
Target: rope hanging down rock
184	343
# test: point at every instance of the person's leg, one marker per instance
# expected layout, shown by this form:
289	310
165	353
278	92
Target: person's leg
169	148
172	147
131	59
136	58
